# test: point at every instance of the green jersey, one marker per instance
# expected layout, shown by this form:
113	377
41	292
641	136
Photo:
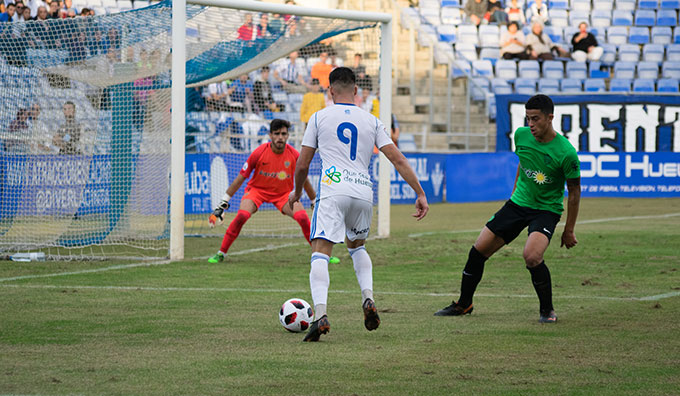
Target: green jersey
543	170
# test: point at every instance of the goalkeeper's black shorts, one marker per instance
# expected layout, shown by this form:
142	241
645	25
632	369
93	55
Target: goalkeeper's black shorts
511	219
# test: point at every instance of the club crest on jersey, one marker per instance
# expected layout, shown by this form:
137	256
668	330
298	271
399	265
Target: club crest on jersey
331	176
286	164
245	166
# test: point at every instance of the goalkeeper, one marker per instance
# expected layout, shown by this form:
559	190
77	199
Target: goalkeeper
272	165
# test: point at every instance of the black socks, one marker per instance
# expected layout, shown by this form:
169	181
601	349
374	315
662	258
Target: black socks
540	277
472	274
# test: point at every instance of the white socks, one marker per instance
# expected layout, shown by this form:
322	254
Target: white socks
319	280
363	267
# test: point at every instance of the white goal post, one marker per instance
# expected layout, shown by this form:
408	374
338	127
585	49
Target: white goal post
179	55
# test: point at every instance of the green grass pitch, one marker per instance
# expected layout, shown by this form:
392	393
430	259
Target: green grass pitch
191	328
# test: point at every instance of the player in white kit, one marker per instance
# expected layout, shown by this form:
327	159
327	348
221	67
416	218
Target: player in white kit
345	136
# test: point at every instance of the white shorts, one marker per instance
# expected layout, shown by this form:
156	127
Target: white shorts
338	216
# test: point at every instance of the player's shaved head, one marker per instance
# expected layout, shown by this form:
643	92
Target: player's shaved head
542	103
342	79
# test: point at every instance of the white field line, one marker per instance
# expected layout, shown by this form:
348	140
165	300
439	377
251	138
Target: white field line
298	291
591	221
144	264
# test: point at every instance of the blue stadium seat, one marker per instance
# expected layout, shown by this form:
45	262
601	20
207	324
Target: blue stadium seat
623	69
506	69
482	68
450	16
468	34
667	85
465	50
601	18
622	18
569	33
645	18
500	86
447	33
643	85
661	35
595	70
667	18
648	70
489	36
617	35
594	85
529	69
558	4
673	52
626	5
480	88
629	52
638	35
670	4
553	69
676	35
491	54
670	69
653	52
525	86
619	85
558	17
571	85
555	33
548	86
461	68
648	4
582	5
577	70
451	3
576	17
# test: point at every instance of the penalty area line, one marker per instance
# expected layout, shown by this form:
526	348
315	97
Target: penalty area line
292	291
591	221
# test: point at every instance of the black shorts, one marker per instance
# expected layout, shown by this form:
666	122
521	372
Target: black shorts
508	222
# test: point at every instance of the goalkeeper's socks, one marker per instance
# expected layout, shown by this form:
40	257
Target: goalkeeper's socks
301	217
234	229
540	277
319	279
472	274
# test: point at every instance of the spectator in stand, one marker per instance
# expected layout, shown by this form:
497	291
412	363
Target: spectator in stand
539	12
495	13
475	10
44	35
245	32
292	28
513	43
41	135
515	13
262	92
215	96
290	75
17	142
96	44
112	39
10	13
68	5
276	25
262	27
358	69
67	138
70	13
585	45
313	101
54	12
85	12
540	45
322	69
33	6
240	92
25	14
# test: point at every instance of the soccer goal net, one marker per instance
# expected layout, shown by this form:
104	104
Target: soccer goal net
86	126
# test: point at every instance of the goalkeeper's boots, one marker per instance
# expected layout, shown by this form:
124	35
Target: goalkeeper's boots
371	318
454	310
318	327
548	317
217	258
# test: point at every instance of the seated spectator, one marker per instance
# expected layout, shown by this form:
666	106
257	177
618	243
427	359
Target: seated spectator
240	95
245	32
41	135
67	138
475	10
358	69
515	13
215	96
276	25
322	69
262	92
68	5
17	141
313	101
585	45
54	12
262	27
290	74
513	43
539	12
25	14
85	12
540	45
495	13
10	13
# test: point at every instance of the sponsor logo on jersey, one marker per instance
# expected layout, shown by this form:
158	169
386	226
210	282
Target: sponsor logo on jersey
537	176
281	175
331	175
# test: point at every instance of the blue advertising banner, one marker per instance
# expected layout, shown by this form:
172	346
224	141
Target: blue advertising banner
600	123
430	169
480	176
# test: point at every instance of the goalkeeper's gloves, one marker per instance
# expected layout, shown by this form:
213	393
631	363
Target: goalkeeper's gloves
216	217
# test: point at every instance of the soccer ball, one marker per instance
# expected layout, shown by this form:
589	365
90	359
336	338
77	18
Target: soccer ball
296	315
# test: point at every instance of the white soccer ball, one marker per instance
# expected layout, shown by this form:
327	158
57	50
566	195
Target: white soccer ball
296	315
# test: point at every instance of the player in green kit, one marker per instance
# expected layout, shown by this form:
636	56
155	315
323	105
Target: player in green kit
546	161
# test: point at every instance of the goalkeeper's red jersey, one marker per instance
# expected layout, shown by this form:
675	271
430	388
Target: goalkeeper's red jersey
273	173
